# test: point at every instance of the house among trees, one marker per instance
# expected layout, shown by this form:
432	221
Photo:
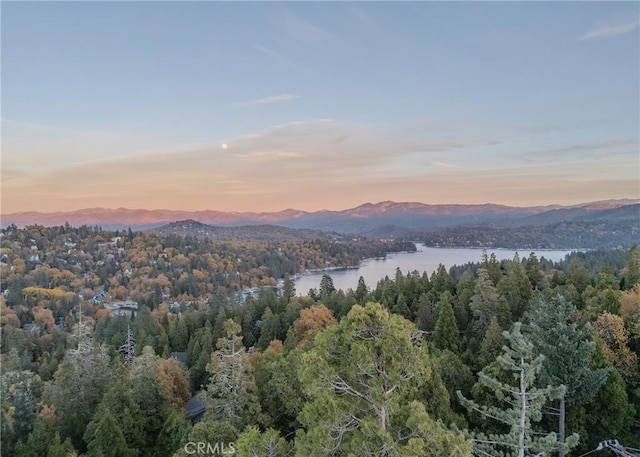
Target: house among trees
194	409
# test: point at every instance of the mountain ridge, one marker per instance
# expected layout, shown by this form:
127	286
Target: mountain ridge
359	219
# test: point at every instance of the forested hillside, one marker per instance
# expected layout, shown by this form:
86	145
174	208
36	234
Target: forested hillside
479	359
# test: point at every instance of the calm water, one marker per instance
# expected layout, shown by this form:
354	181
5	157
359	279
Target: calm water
426	259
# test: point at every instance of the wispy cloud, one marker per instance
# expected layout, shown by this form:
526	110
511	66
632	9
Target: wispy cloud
587	150
276	154
313	164
302	30
611	29
269	100
280	59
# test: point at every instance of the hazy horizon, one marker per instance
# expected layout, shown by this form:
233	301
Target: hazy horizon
630	200
261	107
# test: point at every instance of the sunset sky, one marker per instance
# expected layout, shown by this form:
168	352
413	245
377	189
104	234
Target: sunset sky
267	106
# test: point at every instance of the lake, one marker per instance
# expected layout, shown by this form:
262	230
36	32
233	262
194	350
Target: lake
426	259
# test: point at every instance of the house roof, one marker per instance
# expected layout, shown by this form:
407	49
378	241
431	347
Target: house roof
194	409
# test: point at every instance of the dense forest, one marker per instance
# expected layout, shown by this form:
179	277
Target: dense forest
520	357
559	235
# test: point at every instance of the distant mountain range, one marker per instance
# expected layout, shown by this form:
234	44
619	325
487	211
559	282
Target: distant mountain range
355	220
409	220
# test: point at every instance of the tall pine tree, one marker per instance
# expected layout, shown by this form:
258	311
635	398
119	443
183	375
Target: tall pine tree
523	403
568	351
445	335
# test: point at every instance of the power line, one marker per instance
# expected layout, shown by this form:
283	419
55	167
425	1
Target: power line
615	447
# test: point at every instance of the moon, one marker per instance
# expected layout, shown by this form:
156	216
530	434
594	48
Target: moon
224	146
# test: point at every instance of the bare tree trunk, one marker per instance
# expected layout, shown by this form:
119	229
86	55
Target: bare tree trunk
523	415
561	428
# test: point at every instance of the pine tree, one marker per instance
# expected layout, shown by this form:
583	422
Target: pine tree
440	282
364	377
485	304
326	286
362	291
400	307
516	288
270	329
37	443
533	271
231	392
173	433
150	394
269	443
445	335
568	352
106	439
198	355
83	378
524	401
288	289
118	401
491	343
58	448
632	268
128	348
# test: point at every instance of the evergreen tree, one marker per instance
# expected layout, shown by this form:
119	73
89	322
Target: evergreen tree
269	443
610	413
128	348
516	288
231	392
326	286
37	443
533	271
568	352
288	289
524	401
491	343
106	439
445	335
485	304
212	431
632	268
151	396
464	291
492	266
440	283
173	434
270	329
198	355
362	291
400	307
118	401
455	375
58	448
279	389
426	314
178	335
18	391
83	378
362	375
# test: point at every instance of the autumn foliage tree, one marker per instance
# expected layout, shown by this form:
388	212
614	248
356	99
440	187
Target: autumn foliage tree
610	330
311	321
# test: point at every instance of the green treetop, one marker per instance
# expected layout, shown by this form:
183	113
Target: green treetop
523	402
363	376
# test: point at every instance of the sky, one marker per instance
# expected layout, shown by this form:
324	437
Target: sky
263	106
